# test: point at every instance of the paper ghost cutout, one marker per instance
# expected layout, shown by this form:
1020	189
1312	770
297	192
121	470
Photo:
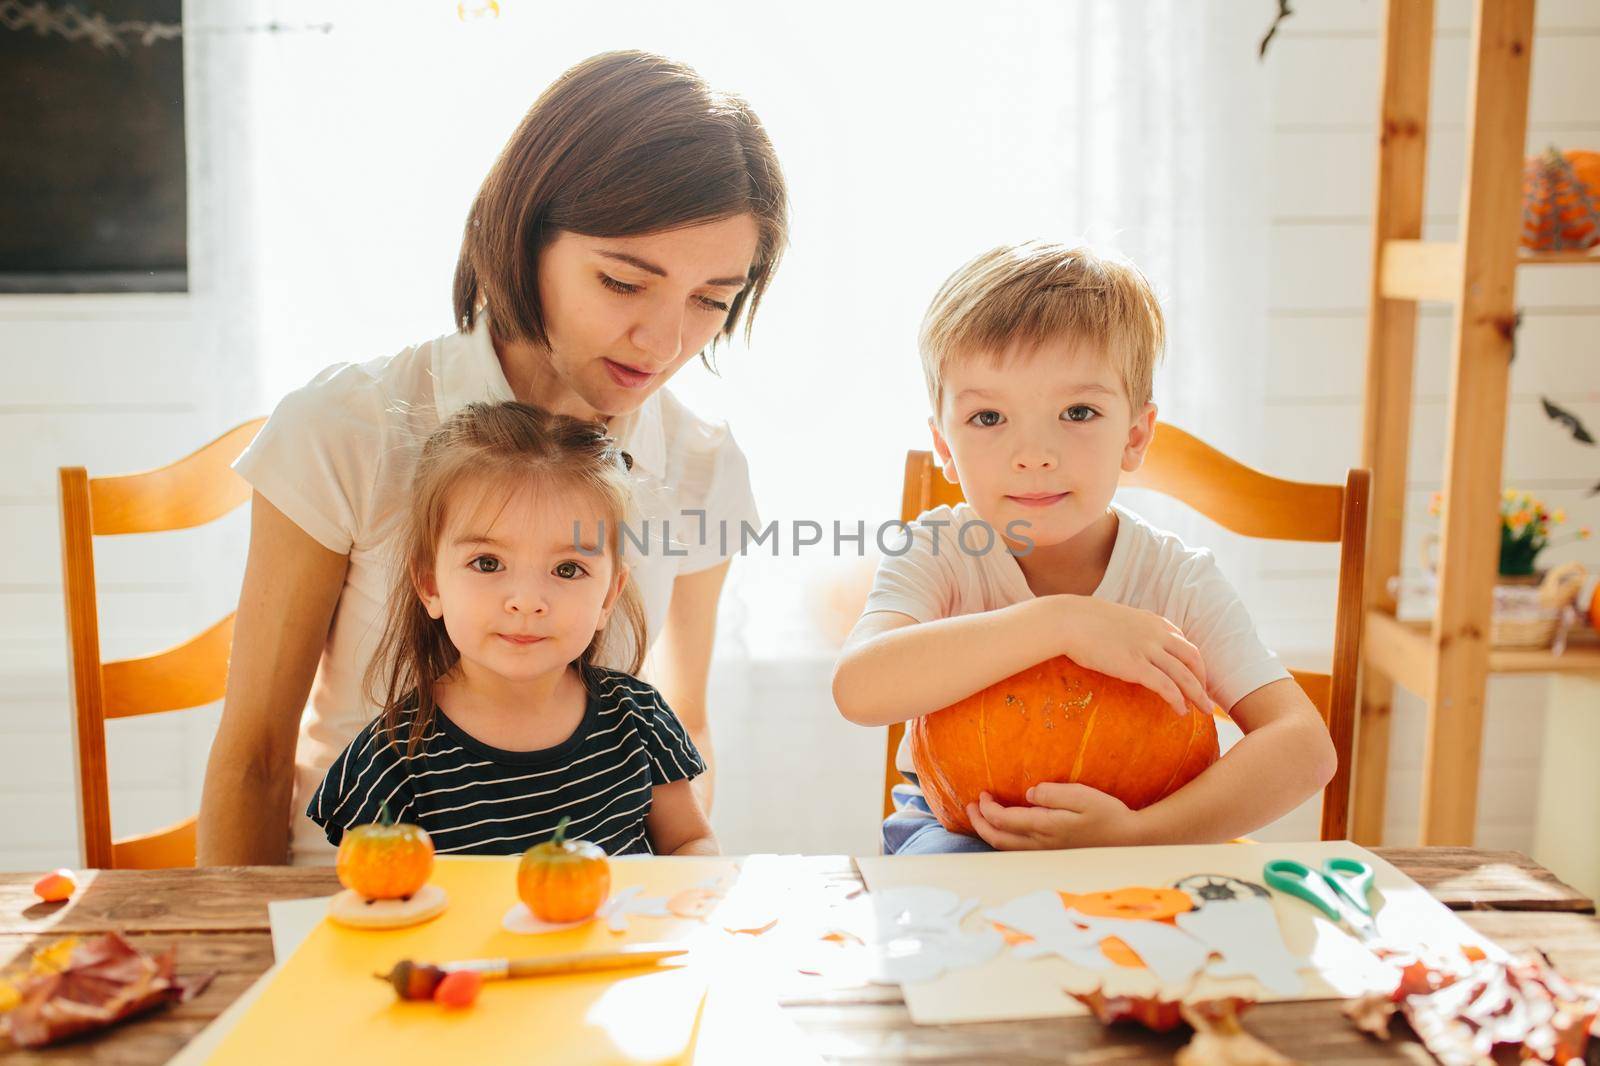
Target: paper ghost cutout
1245	933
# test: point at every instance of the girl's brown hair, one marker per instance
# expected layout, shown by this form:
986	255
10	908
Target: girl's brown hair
495	449
622	144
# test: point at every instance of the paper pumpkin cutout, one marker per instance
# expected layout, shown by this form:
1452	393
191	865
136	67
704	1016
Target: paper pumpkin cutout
1133	902
1245	933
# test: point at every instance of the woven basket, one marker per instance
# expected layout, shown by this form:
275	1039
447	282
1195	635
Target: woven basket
1529	615
1528	612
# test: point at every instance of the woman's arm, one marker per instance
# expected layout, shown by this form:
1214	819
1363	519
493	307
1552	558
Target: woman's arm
676	824
291	585
681	661
894	668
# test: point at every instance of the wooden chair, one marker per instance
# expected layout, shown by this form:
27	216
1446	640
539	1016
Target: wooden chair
1251	503
187	493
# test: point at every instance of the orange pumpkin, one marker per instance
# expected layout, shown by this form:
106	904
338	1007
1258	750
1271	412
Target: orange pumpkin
385	860
563	880
1594	607
1057	721
1561	201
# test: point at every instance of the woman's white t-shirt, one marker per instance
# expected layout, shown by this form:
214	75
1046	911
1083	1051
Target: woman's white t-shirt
336	457
933	578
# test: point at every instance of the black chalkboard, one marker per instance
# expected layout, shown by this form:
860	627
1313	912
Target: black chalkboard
92	176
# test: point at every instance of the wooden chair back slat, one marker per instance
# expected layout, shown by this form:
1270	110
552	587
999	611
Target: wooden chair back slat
192	674
181	495
1235	496
160	850
1253	504
194	490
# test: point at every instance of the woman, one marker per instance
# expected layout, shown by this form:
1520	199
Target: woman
633	219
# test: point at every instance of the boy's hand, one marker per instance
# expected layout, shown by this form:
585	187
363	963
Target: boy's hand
1062	816
1136	645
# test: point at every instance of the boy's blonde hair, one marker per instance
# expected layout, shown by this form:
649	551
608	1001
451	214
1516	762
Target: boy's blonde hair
1038	292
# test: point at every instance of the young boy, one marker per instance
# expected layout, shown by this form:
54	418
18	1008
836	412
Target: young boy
1039	360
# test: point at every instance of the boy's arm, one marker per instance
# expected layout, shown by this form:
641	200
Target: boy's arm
1284	758
894	668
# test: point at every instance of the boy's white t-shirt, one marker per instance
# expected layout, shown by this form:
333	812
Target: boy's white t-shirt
337	456
1149	568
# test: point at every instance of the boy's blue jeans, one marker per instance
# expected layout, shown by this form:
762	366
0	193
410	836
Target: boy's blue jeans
913	830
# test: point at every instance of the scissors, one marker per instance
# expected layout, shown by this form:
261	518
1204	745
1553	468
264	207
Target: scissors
1341	890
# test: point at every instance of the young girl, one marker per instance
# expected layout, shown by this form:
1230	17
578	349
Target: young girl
496	721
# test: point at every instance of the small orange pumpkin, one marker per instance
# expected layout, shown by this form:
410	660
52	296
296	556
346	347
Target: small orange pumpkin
1561	201
1057	721
563	880
384	859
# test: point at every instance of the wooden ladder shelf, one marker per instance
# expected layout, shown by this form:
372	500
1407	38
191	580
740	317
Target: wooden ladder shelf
1448	662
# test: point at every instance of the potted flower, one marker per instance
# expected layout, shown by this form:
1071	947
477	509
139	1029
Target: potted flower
1529	604
1526	525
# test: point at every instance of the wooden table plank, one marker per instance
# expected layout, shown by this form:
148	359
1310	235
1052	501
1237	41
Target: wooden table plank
1570	941
213	899
1470	879
221	899
218	920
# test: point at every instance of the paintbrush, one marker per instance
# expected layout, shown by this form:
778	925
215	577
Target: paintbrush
417	980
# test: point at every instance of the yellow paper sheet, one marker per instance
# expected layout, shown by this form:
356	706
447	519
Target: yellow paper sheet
323	1004
1014	988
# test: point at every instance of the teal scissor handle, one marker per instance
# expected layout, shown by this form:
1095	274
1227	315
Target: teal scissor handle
1352	880
1302	882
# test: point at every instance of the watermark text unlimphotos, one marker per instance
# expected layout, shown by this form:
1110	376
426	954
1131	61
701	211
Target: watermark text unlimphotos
665	537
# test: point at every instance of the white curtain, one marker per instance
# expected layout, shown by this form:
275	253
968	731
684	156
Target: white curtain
913	136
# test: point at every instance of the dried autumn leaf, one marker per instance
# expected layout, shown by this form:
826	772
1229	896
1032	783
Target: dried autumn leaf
55	957
1419	977
1490	1011
1157	1015
1371	1013
105	980
1219	1039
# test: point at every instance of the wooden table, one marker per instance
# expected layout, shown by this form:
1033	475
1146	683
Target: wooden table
218	920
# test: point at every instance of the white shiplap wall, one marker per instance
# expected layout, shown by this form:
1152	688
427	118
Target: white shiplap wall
1324	65
117	384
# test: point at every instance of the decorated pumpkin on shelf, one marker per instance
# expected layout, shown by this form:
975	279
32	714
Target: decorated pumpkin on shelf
1057	721
563	880
384	859
1561	201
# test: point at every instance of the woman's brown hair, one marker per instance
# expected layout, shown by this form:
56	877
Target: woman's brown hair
624	143
493	449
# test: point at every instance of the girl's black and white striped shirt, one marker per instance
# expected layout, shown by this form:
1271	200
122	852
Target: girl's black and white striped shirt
481	800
